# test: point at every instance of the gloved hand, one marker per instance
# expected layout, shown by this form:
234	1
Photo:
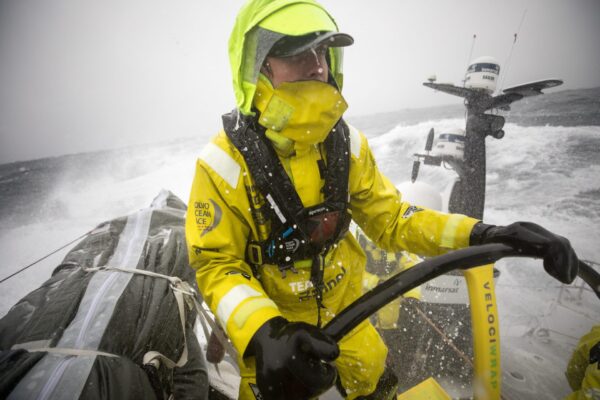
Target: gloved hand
292	360
560	259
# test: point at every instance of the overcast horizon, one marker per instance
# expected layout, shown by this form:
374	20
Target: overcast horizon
79	76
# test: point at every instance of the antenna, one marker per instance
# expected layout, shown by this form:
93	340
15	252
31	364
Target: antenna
509	58
470	54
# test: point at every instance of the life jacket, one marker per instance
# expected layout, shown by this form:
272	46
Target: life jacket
297	232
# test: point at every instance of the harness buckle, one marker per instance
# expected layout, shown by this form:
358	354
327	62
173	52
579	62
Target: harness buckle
255	254
289	267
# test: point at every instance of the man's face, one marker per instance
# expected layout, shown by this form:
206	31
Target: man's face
308	65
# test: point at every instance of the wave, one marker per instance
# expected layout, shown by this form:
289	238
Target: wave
547	174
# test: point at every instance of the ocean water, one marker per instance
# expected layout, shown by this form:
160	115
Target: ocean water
544	170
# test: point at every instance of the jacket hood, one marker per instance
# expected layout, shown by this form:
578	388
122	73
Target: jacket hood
261	23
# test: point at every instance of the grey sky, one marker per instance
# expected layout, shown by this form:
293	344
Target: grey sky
82	75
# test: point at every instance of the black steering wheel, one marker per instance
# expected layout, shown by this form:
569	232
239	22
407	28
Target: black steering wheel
408	279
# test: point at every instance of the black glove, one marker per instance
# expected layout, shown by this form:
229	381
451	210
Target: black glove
560	259
292	360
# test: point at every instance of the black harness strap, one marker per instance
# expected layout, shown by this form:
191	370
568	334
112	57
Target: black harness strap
297	233
292	223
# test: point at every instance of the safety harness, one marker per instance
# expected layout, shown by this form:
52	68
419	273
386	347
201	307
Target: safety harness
297	232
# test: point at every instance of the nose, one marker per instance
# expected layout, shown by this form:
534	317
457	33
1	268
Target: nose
315	66
317	72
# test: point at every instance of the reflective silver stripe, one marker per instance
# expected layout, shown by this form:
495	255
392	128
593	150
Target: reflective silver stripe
232	299
132	240
161	200
355	141
449	234
276	208
222	163
63	377
105	287
43	381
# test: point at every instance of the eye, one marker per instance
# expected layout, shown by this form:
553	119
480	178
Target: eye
322	50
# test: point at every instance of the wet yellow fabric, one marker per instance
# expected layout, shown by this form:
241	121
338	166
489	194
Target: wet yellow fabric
429	389
219	224
288	17
583	377
303	112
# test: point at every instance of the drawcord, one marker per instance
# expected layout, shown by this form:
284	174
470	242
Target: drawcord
316	277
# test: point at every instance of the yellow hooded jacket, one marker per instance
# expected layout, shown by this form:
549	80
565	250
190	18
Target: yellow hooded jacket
220	222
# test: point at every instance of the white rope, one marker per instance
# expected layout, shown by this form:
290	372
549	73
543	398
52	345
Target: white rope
62	350
216	329
179	289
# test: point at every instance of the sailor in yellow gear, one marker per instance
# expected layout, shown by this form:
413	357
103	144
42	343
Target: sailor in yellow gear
224	202
583	370
380	266
271	276
387	317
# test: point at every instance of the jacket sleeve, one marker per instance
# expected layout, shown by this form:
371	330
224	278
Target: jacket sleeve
393	224
583	370
218	224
